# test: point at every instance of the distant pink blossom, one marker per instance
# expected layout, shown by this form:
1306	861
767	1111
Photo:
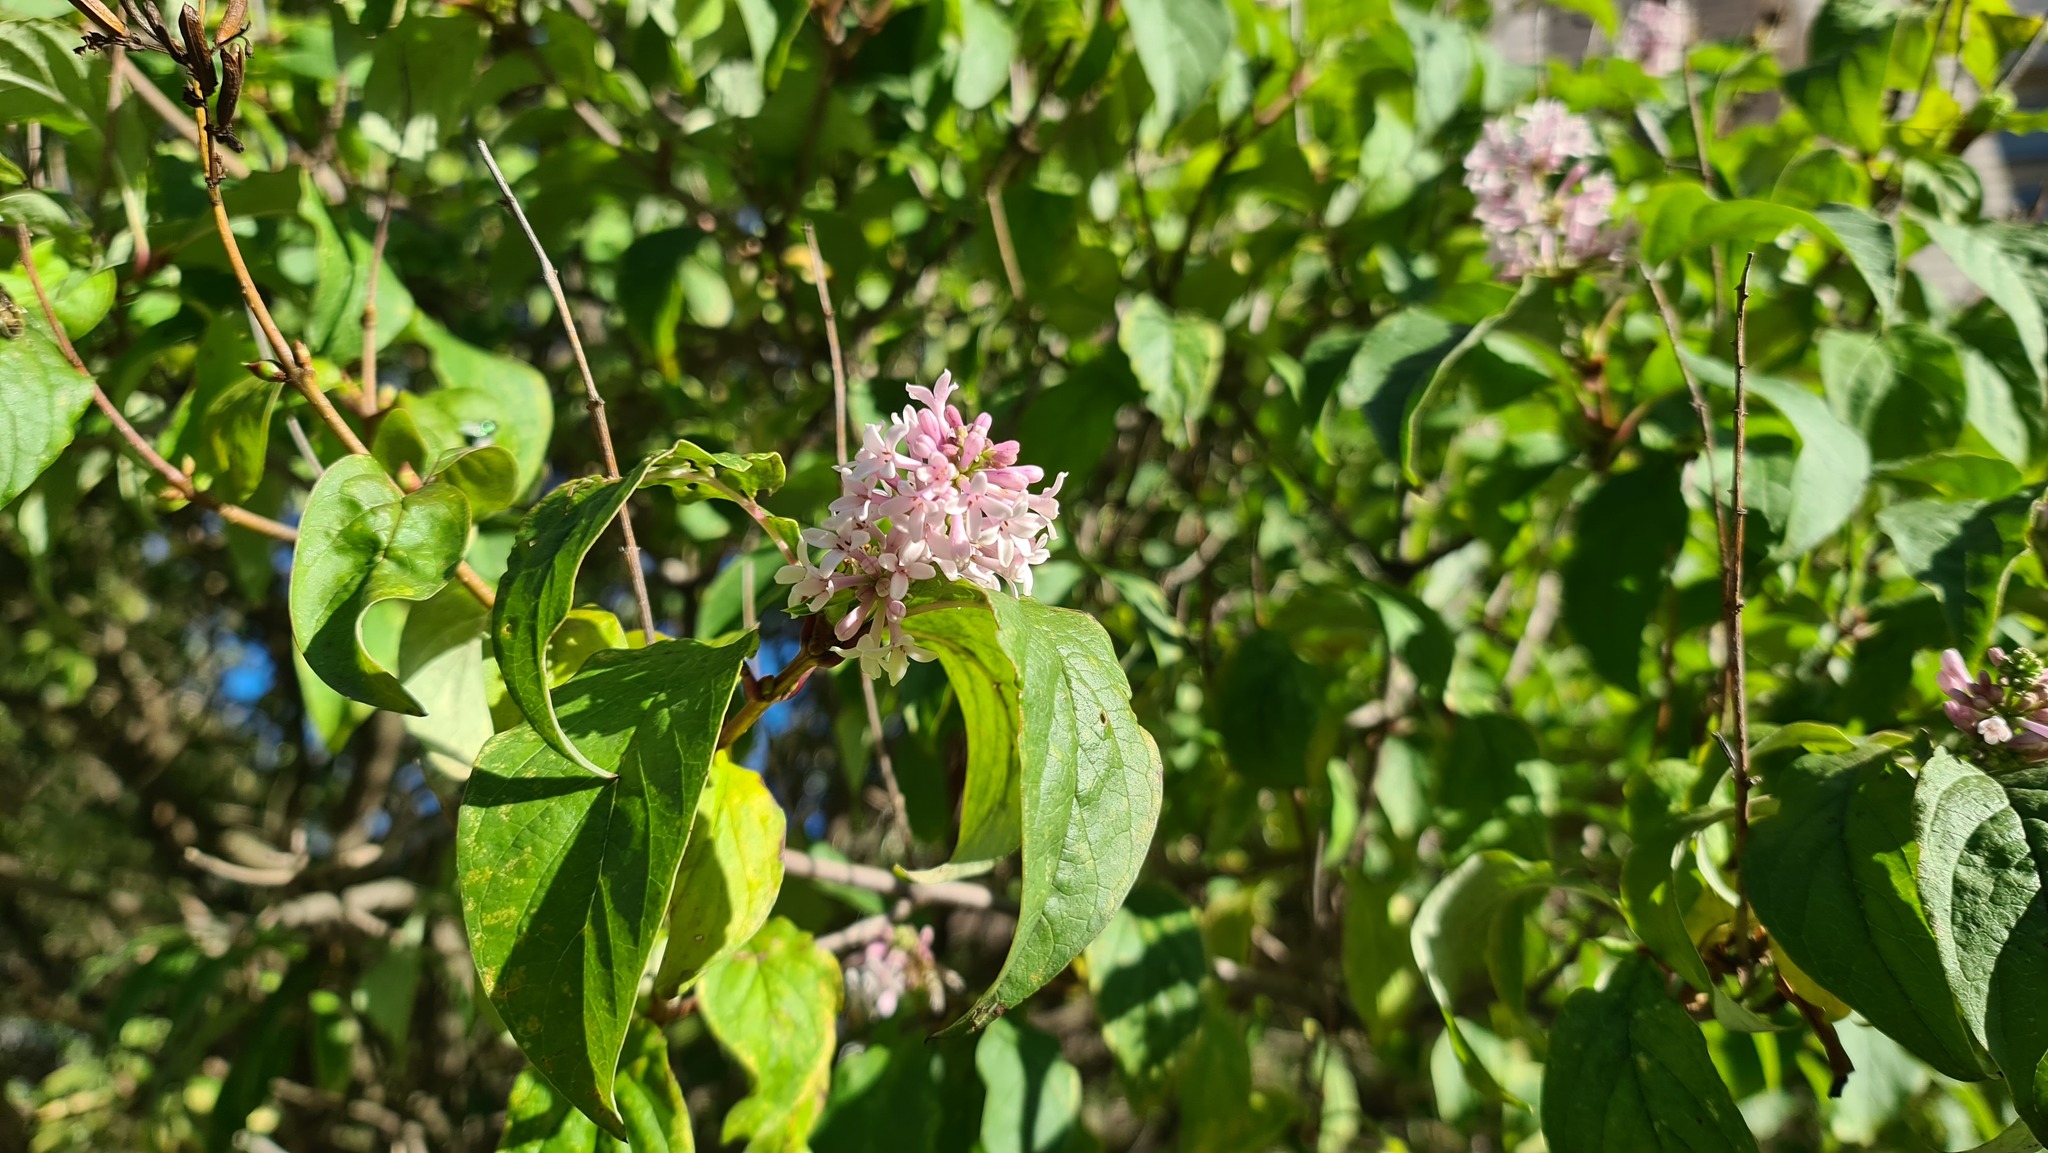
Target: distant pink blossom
928	495
2007	711
882	976
1656	35
1542	207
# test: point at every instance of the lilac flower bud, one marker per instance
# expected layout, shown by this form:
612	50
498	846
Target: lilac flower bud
2008	712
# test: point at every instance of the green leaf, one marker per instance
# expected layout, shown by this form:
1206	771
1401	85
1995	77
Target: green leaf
540	1120
364	540
1471	924
1444	64
399	445
488	476
80	298
41	399
1091	784
1832	468
1952	546
566	877
1653	894
1146	972
1416	401
334	318
729	878
771	27
1843	95
1872	245
1176	358
539	587
1181	45
698	474
984	683
1992	409
1393	367
987	45
772	1005
1982	865
422	74
1219	1110
1629	532
1267	701
1678	218
483	398
1034	1095
1977	251
1629	1073
224	423
1831	876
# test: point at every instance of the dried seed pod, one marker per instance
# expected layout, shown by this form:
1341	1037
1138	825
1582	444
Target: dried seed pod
12	320
232	22
198	58
233	58
102	17
155	18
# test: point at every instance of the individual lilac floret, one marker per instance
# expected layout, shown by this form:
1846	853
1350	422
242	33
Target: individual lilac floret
929	494
1656	36
883	975
1542	206
2008	711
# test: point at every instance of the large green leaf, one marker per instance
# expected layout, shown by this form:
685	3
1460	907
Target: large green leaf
1266	705
729	878
1680	217
482	397
1181	45
1034	1095
1843	95
223	425
1872	245
540	587
364	540
1091	787
1146	972
772	1005
540	1120
1831	876
334	318
1981	256
1393	368
1629	1073
1176	358
566	877
41	399
985	683
1469	926
1629	533
987	45
1833	466
1983	860
1653	893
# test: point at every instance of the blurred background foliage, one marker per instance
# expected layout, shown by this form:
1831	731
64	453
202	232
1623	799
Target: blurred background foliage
1407	563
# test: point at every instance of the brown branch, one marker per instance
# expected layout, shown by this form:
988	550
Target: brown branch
366	398
298	367
1731	591
592	401
173	475
1699	402
1005	247
960	894
1839	1064
832	338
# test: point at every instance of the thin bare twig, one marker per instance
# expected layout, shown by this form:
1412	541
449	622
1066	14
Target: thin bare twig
591	399
366	398
173	475
832	339
1699	402
897	809
1012	271
1731	596
305	446
960	894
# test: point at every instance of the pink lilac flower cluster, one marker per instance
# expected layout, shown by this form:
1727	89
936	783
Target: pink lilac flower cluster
929	494
1543	208
1656	35
882	975
2008	711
